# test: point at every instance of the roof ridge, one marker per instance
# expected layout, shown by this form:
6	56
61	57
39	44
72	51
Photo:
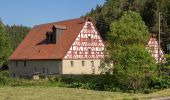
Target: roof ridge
57	22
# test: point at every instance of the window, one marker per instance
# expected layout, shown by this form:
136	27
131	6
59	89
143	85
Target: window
47	70
168	48
83	63
78	52
43	70
101	62
50	38
16	63
93	72
92	63
25	63
88	26
72	63
89	38
153	49
89	51
35	69
13	75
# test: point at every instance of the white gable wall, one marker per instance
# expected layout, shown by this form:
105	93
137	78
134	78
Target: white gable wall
87	47
81	45
153	49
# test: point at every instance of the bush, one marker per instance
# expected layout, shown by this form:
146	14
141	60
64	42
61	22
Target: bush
161	82
4	73
4	77
6	80
94	82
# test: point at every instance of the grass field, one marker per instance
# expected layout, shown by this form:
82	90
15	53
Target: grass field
58	93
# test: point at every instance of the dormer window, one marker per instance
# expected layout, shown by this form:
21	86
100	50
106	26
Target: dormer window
50	38
53	37
47	37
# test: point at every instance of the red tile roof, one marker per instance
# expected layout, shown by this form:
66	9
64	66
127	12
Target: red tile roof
34	45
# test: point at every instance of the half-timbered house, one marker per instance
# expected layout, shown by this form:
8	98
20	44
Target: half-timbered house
66	47
152	46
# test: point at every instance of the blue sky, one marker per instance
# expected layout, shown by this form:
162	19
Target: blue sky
33	12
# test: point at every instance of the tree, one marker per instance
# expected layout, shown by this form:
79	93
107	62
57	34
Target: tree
165	25
149	13
126	48
5	47
112	10
104	15
148	9
16	34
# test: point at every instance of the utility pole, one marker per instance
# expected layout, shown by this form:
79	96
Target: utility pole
159	37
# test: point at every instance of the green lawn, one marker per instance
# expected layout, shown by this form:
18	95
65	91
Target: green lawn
58	93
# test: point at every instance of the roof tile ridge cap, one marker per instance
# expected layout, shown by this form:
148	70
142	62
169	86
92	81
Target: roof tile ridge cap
60	21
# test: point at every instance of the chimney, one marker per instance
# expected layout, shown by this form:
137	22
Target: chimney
83	19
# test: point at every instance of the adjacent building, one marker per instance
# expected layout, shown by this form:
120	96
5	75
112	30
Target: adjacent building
152	46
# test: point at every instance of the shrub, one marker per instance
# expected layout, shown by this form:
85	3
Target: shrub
94	82
4	73
160	82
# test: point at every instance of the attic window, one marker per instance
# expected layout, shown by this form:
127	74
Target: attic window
152	48
78	52
89	19
88	26
89	38
89	51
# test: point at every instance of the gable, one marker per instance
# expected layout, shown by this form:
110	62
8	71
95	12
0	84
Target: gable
152	46
87	45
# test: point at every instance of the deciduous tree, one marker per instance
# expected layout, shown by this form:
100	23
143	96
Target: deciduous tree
133	63
5	47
